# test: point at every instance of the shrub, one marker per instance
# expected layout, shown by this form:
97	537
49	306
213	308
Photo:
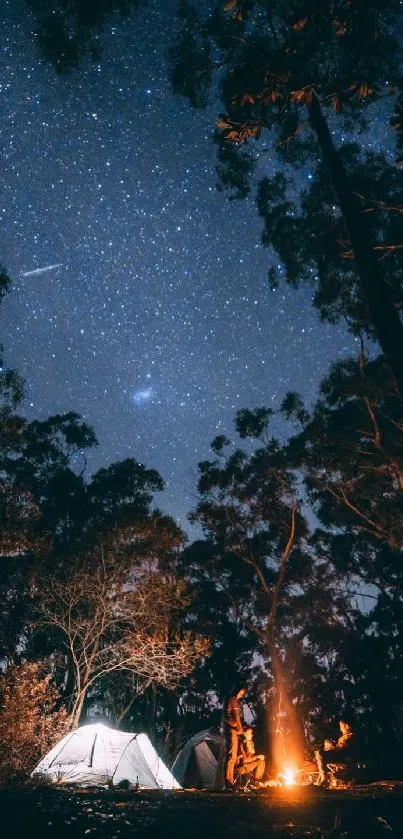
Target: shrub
30	723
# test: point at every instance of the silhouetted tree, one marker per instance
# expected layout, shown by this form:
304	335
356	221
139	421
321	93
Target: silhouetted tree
249	511
281	65
308	234
114	610
69	30
350	451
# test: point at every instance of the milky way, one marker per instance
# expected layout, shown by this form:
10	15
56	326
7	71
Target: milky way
157	323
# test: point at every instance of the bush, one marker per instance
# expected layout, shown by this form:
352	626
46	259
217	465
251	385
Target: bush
29	722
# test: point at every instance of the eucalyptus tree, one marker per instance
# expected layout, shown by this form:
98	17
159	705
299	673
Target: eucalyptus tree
350	451
284	67
69	30
307	232
117	607
258	556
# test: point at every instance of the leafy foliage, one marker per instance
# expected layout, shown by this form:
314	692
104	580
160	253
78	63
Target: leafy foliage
30	721
255	530
87	572
280	68
116	610
191	58
71	29
309	236
276	54
123	486
350	449
397	123
338	596
11	384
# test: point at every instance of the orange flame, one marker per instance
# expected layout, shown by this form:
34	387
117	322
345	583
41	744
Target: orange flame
289	776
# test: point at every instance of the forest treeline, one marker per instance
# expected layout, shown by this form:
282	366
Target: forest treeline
295	586
296	583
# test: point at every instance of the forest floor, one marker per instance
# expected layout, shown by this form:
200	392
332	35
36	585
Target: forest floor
367	812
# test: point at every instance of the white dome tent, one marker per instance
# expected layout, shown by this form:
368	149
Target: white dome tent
95	755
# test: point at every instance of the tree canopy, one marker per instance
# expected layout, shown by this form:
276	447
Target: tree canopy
69	30
295	580
283	70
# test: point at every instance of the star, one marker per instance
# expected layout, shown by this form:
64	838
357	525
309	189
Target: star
160	273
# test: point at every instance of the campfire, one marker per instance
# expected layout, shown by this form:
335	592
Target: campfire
289	776
288	748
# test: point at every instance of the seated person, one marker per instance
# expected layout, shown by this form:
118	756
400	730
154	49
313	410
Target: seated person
249	761
339	752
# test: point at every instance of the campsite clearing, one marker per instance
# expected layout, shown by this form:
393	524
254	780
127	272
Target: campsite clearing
62	813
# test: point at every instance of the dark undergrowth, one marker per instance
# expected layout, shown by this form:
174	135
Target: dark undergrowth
371	812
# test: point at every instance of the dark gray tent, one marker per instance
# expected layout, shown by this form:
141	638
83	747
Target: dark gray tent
199	763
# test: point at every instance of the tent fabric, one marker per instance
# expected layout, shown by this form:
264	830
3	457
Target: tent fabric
198	764
95	755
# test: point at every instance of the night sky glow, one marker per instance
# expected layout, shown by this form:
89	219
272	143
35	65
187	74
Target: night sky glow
140	296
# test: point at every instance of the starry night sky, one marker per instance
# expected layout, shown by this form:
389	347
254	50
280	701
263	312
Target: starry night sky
159	323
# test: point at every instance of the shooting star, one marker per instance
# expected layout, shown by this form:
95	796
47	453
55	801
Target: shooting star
43	270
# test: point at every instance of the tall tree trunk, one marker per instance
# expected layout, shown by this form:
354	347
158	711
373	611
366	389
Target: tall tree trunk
67	693
120	717
152	710
287	742
77	709
287	738
384	316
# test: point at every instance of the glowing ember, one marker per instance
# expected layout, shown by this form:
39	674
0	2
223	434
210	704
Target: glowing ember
289	776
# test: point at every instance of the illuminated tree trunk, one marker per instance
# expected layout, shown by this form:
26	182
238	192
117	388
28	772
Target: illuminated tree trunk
287	743
284	725
278	711
384	316
77	709
152	709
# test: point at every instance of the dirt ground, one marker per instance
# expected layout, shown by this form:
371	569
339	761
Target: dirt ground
371	812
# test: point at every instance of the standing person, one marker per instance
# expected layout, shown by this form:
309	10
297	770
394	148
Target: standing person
233	731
